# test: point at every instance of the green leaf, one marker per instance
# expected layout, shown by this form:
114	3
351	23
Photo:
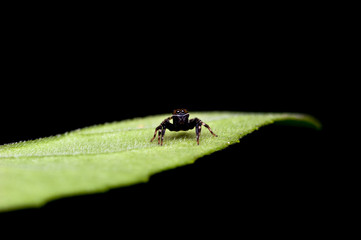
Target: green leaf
98	158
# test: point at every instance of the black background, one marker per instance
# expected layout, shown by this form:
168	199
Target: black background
67	70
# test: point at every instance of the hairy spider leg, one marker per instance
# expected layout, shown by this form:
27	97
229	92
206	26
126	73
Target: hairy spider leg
163	132
159	133
198	131
197	123
207	126
155	134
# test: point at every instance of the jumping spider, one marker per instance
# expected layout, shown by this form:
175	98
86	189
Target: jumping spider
180	122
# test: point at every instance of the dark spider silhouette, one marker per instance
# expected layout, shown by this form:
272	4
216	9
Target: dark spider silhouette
180	123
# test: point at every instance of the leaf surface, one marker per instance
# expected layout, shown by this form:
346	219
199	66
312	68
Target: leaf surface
98	158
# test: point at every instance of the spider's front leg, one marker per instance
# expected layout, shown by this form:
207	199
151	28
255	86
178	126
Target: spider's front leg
161	130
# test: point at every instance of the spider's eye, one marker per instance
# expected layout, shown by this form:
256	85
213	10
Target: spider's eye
177	111
182	111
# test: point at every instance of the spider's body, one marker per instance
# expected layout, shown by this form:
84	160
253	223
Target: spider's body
181	122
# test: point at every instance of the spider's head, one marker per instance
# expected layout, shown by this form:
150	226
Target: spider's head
180	116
